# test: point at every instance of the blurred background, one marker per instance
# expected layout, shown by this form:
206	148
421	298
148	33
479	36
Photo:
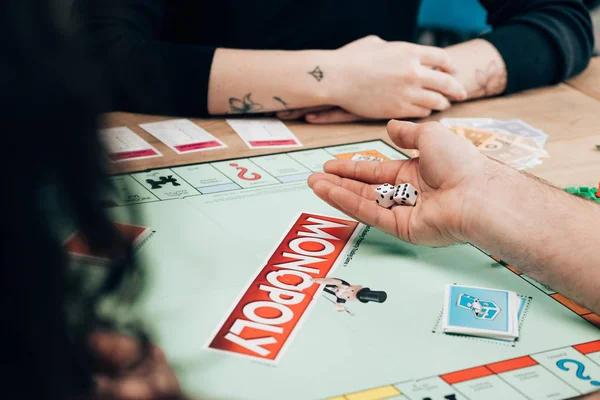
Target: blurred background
443	23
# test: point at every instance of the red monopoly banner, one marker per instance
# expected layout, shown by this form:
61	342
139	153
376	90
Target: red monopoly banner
268	313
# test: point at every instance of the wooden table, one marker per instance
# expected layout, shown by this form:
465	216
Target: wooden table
569	113
588	81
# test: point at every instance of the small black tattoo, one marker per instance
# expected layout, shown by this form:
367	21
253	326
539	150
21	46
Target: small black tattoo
317	73
279	99
247	105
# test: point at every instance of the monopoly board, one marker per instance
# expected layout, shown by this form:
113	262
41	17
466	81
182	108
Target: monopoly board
235	251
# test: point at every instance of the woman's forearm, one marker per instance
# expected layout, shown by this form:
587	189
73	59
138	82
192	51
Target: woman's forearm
250	81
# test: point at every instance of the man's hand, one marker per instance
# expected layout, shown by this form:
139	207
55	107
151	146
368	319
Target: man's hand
593	396
131	376
465	196
449	174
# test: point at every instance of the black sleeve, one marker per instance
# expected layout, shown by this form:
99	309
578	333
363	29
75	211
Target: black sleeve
152	76
542	42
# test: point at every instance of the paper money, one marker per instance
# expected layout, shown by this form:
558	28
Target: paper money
509	152
474	135
513	127
514	143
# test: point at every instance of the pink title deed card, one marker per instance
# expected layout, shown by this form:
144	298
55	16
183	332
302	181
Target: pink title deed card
183	136
123	144
264	133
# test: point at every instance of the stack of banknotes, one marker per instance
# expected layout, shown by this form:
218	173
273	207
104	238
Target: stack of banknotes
513	142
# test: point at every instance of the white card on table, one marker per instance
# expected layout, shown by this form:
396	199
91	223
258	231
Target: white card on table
183	136
264	133
123	144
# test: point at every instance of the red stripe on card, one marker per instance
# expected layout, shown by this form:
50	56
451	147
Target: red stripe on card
587	348
511	365
132	154
282	142
466	375
199	145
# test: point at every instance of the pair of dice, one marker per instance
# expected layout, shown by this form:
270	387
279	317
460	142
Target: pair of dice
404	194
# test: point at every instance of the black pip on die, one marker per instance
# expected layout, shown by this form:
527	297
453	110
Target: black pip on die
384	195
406	194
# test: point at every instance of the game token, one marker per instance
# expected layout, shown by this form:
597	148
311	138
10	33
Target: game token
585	192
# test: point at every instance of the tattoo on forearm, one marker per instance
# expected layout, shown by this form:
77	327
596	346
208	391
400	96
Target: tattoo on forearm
317	73
246	105
280	100
490	81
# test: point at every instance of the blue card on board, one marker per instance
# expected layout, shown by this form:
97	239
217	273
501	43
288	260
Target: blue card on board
483	312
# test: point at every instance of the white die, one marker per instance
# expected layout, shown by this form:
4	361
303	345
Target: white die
385	195
406	194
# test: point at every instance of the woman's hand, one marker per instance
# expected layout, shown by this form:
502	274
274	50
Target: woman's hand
374	79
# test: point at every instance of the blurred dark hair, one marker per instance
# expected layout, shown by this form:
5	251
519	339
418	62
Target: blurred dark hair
51	95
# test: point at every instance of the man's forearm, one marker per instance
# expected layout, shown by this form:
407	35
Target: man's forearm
593	396
250	81
543	231
479	67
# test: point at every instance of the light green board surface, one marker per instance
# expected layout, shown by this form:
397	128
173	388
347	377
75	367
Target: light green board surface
208	247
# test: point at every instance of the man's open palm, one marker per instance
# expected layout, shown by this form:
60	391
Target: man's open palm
446	172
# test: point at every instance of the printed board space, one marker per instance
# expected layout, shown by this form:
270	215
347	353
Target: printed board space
245	281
